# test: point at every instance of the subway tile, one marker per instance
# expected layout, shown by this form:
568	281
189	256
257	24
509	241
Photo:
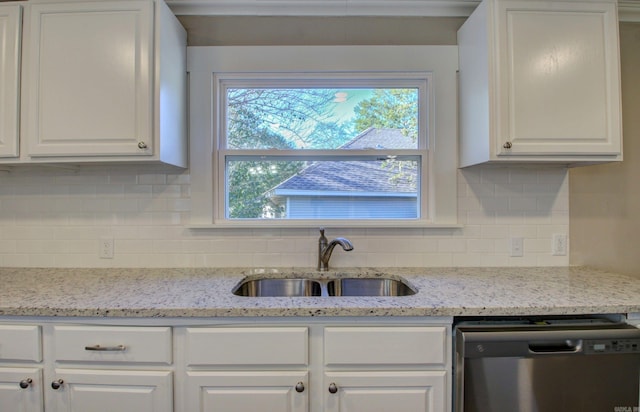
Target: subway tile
523	176
494	175
480	245
525	231
438	259
137	191
452	245
131	246
152	179
523	203
509	190
167	191
123	205
482	217
111	190
145	210
511	217
8	246
495	231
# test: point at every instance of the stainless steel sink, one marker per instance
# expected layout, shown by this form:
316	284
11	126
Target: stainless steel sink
292	287
278	287
368	287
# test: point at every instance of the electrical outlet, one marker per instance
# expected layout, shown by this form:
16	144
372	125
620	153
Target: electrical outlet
559	245
516	247
106	248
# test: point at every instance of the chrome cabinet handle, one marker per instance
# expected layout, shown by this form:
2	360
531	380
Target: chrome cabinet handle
333	388
25	383
57	384
300	387
507	145
98	348
142	145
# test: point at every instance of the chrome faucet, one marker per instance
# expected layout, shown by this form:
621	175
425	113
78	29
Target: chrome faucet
325	248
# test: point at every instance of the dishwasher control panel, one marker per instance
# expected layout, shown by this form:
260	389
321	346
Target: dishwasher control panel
595	346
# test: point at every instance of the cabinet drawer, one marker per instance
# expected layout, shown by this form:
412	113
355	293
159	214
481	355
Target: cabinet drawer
247	346
113	344
20	343
385	345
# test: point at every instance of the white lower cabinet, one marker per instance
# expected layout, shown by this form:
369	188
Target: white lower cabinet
109	368
316	368
21	368
384	368
245	369
247	391
238	365
419	391
21	389
112	390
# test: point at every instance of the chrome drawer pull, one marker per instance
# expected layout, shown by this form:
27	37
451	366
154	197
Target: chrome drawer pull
119	348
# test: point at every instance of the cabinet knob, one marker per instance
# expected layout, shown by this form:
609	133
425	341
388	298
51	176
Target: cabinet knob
507	145
300	387
57	384
142	145
333	388
25	383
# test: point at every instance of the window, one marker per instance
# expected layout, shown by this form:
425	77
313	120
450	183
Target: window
322	147
344	136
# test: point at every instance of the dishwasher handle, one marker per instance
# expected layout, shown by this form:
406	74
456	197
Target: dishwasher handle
552	347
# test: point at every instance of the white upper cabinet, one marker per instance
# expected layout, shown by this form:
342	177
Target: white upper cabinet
540	82
10	26
105	81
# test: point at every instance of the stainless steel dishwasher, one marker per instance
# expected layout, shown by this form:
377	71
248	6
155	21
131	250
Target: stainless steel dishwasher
538	365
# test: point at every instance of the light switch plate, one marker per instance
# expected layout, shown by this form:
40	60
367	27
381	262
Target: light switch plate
516	247
559	245
105	250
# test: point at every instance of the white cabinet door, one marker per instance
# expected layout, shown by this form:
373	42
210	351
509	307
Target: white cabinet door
540	82
21	390
559	69
112	390
209	391
385	391
90	71
10	27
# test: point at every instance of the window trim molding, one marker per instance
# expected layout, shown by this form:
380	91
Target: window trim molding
440	61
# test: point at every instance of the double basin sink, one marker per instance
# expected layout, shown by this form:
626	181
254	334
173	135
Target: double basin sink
298	287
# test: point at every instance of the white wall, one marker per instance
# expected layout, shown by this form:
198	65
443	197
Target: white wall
55	218
605	200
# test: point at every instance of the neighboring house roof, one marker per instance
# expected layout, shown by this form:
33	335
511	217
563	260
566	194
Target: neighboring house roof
356	177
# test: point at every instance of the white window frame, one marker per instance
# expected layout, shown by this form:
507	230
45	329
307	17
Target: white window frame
206	64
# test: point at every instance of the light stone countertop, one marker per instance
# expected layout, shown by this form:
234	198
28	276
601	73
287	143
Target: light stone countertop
199	292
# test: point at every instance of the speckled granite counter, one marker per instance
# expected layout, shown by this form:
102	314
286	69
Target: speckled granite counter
207	293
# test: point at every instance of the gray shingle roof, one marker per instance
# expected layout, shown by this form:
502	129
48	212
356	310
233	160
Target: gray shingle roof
358	176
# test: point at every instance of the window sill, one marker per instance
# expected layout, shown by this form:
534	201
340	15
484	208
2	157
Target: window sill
307	224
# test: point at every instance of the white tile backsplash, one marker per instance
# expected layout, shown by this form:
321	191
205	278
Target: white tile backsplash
56	218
